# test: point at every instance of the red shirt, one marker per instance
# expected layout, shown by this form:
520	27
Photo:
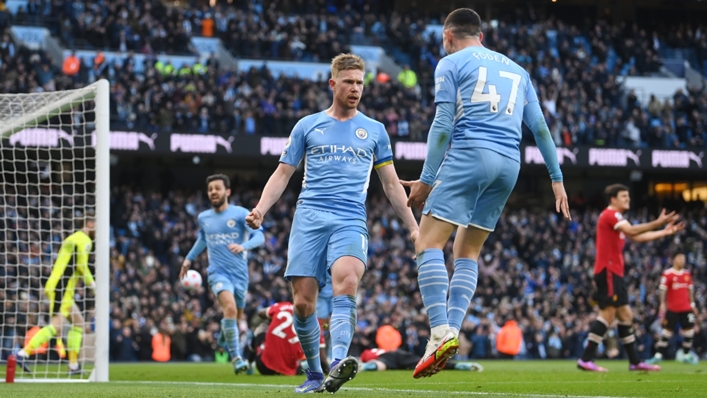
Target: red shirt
370	355
677	285
281	350
610	243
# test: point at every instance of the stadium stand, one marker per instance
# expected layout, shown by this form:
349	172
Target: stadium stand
523	265
576	72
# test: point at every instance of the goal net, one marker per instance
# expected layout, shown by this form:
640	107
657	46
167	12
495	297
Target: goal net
54	169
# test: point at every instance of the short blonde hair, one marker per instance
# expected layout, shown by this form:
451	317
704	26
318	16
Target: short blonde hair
346	62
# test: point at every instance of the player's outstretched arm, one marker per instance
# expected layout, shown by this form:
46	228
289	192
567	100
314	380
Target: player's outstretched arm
663	219
670	229
397	197
271	193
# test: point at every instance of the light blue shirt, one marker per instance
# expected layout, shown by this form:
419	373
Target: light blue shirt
488	97
338	160
217	231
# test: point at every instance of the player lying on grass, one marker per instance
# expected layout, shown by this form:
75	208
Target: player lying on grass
611	291
275	348
677	295
225	235
71	265
380	360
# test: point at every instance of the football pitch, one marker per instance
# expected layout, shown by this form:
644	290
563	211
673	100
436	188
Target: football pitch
521	379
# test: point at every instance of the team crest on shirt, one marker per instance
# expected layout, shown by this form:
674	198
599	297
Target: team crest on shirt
361	133
231	223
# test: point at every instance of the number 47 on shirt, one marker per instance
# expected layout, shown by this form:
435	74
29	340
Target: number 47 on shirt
492	97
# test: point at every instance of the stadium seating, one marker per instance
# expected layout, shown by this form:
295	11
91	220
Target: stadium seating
527	274
576	72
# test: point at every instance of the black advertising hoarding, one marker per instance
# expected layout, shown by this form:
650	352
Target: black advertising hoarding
242	146
138	142
589	157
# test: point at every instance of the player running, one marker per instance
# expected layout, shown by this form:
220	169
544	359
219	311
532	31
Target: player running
340	146
482	99
276	350
223	232
678	297
71	265
612	294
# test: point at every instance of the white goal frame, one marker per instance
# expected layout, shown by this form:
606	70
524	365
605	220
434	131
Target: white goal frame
101	95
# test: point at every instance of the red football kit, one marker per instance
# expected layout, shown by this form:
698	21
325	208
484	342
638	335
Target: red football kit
677	286
610	243
281	350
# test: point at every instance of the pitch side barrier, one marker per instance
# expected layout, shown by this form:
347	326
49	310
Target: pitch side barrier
242	146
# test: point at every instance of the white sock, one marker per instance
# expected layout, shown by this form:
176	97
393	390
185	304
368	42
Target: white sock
73	366
659	355
438	332
455	331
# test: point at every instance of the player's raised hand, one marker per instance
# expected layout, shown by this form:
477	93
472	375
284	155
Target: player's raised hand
419	191
665	218
673	228
254	218
235	248
186	264
561	202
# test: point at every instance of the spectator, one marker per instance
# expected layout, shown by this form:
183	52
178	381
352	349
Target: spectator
161	346
407	77
72	64
509	340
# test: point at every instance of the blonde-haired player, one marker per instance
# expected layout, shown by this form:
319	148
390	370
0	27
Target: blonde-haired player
70	266
340	146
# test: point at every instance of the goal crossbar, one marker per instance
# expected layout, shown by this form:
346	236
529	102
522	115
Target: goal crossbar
12	122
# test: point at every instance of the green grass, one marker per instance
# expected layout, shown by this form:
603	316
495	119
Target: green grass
500	378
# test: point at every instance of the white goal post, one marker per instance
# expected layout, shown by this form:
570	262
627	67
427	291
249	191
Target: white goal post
54	167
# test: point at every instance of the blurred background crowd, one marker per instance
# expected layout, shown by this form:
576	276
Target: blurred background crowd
535	269
577	70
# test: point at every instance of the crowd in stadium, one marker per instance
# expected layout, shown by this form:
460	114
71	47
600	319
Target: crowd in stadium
524	263
575	70
535	270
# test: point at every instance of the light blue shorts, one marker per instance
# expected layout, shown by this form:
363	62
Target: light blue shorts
472	187
220	282
325	300
318	239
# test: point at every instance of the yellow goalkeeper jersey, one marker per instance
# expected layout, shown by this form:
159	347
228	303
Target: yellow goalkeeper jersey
70	265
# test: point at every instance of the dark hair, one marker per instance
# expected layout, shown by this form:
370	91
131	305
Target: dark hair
463	22
613	190
222	177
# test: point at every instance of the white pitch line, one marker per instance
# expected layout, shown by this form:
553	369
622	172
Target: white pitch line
439	392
